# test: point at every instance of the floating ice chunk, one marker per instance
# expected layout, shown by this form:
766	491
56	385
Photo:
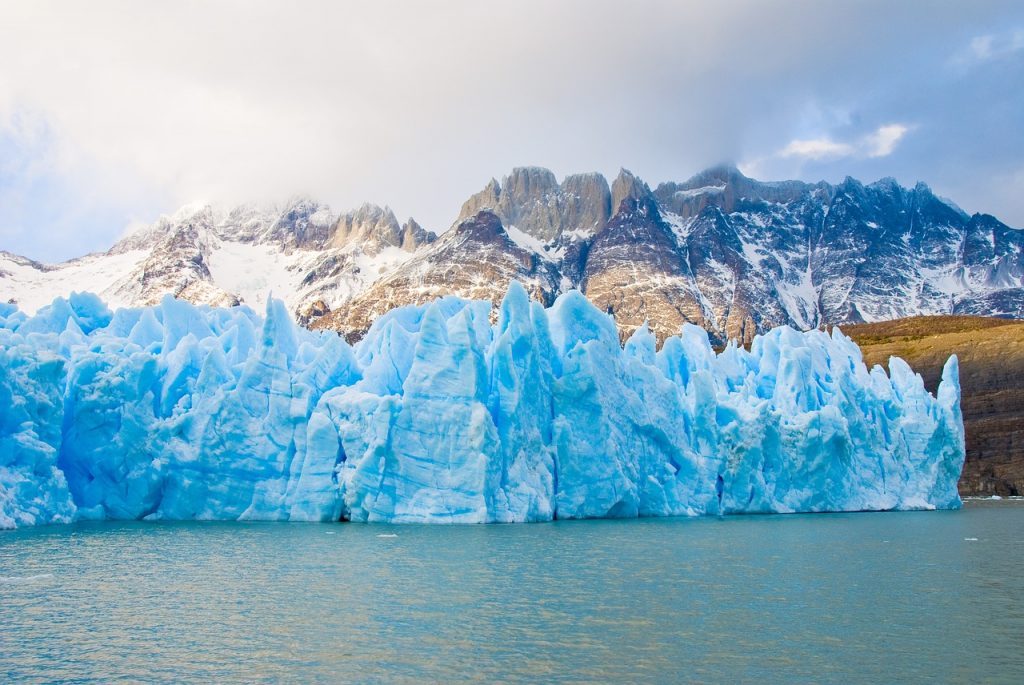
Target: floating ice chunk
24	580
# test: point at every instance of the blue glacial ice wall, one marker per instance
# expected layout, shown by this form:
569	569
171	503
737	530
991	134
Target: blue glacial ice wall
184	412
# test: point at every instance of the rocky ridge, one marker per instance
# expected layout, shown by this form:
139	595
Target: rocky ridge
729	253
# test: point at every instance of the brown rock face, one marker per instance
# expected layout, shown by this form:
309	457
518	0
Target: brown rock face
374	228
637	240
991	354
493	262
532	200
626	186
724	186
312	311
177	266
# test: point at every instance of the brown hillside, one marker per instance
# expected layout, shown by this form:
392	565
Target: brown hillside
991	354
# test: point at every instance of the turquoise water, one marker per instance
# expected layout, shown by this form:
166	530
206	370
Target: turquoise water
899	597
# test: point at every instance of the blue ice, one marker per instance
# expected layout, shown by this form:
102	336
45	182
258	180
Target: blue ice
437	416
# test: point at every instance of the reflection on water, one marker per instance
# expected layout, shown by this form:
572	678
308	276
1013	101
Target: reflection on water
807	598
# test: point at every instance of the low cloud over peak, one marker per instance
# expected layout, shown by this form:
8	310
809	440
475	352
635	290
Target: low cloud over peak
879	143
147	106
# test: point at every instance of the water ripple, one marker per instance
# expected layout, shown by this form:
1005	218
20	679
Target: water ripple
806	598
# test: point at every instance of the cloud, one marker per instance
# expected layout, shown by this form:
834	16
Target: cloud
149	105
44	202
882	142
988	47
818	148
879	143
981	47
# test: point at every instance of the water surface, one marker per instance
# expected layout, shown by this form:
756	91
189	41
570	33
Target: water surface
895	597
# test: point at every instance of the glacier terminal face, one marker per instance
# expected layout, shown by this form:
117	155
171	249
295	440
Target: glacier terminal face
439	416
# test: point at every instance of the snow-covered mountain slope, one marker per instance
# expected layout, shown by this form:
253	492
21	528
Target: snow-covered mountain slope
475	259
301	253
32	285
729	253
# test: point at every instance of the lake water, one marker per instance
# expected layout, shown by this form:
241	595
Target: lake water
895	597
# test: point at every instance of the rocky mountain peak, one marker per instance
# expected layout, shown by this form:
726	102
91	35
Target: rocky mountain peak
529	184
531	200
475	259
886	184
196	213
191	216
414	235
485	226
494	188
725	186
986	220
587	185
720	175
487	198
369	213
854	186
627	186
586	203
303	223
722	250
370	226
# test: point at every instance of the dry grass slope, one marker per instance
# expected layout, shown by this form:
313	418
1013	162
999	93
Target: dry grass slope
991	353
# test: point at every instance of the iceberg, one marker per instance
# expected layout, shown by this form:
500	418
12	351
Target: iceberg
440	416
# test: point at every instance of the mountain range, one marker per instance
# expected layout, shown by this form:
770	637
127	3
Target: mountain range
734	255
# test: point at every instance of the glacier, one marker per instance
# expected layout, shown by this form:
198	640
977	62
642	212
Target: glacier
443	414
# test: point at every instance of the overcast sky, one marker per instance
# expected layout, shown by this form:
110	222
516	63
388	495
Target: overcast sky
114	113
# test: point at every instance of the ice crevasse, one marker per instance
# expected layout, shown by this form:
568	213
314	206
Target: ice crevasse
438	416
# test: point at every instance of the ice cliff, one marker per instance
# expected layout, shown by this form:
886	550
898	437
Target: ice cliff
185	412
